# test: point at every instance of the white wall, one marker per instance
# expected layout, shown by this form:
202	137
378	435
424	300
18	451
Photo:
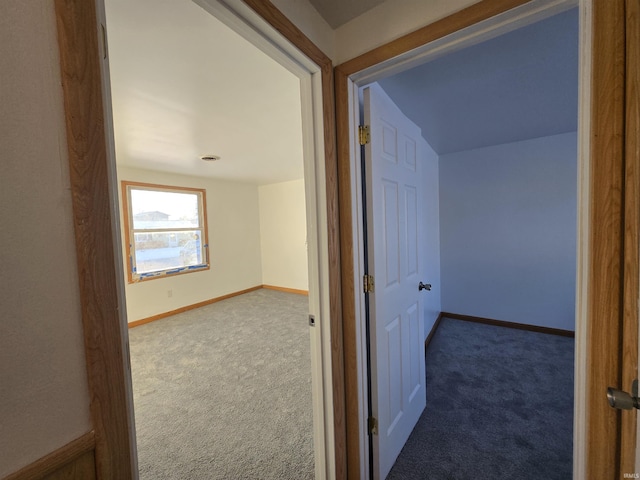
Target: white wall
384	23
431	249
44	399
306	18
283	225
389	21
508	231
234	247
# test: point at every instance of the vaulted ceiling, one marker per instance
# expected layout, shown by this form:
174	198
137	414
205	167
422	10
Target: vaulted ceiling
186	85
518	86
339	12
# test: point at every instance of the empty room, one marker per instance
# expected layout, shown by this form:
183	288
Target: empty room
213	203
487	235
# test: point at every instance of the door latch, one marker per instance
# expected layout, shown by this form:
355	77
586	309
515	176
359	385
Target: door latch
623	400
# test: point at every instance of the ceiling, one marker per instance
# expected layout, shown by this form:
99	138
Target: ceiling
518	86
185	85
339	12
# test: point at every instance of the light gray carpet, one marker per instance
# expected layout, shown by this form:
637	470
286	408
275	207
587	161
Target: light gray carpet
224	391
499	406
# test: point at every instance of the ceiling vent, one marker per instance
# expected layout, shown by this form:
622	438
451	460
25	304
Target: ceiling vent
210	158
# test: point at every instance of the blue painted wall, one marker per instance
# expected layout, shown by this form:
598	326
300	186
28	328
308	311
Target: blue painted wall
431	251
508	231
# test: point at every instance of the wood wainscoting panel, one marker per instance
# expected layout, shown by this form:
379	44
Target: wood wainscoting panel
76	461
83	468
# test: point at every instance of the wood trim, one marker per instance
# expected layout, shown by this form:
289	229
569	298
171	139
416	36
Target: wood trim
127	231
274	17
186	308
57	459
499	323
631	232
606	233
160	186
476	13
519	326
433	331
350	359
160	316
286	28
286	290
83	467
335	274
349	290
88	163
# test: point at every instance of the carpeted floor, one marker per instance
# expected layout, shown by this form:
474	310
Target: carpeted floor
499	406
224	391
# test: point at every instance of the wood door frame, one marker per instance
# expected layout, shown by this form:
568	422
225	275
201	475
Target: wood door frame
631	314
106	350
598	451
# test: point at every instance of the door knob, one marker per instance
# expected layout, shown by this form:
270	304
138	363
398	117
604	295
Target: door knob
623	400
424	286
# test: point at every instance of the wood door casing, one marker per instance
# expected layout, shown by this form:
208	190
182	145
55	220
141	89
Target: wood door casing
606	238
606	245
631	231
467	17
88	166
80	53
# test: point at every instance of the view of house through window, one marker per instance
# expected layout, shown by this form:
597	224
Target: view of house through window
166	230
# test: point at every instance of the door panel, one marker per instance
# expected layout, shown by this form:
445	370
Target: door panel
411	204
391	241
394	343
416	382
394	213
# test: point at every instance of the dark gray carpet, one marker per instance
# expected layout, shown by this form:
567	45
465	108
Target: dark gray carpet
224	391
499	406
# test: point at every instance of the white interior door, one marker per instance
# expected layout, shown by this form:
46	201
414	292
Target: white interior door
395	234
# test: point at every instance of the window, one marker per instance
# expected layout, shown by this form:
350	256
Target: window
165	230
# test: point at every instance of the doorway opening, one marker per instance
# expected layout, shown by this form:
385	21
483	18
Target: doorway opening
245	209
504	23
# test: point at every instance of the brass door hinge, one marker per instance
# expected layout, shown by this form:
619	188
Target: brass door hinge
368	283
104	42
364	134
373	425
